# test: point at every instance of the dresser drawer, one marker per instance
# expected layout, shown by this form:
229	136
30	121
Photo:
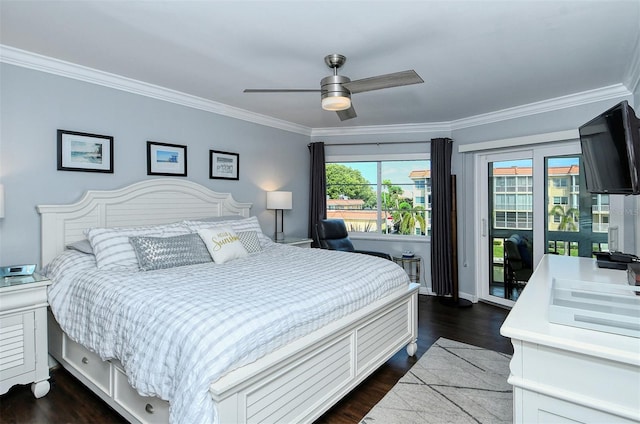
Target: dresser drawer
94	368
145	409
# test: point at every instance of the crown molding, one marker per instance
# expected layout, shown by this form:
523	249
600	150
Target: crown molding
26	59
383	129
527	140
612	92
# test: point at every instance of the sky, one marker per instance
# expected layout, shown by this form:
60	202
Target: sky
555	161
396	171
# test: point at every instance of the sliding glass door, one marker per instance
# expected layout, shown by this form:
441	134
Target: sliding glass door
532	202
509	224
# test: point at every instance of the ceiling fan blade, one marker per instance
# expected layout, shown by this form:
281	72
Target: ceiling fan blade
281	90
383	81
347	113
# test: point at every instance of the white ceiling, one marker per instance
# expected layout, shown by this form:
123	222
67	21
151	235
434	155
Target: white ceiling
476	57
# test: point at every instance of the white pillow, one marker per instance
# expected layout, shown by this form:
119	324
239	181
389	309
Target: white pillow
245	224
223	244
114	251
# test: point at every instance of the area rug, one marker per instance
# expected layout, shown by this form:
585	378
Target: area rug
451	383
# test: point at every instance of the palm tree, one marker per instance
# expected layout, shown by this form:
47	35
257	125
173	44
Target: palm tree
568	221
406	216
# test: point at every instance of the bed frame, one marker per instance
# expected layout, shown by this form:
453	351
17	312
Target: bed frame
296	383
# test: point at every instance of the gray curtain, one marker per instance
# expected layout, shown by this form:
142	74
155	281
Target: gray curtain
441	245
317	190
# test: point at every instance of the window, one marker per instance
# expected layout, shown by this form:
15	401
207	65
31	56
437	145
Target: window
560	182
569	230
384	197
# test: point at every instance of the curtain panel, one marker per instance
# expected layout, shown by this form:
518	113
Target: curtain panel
441	227
317	190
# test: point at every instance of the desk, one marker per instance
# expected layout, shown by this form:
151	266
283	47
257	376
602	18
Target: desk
410	264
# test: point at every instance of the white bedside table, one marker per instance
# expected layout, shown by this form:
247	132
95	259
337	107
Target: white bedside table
23	333
296	241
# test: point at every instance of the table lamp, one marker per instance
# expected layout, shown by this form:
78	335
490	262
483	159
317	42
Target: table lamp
279	200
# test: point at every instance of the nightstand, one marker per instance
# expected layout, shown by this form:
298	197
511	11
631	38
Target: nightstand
411	265
23	333
296	241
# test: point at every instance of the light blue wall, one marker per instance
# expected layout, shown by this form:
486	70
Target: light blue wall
33	105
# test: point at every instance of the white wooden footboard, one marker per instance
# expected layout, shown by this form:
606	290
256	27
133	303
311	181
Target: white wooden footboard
299	382
296	383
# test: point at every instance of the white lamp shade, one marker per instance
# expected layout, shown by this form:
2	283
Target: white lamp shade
279	200
1	201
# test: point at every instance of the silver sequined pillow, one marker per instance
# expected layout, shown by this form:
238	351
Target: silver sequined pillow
169	252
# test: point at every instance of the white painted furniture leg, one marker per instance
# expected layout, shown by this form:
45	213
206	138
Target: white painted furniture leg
412	348
40	388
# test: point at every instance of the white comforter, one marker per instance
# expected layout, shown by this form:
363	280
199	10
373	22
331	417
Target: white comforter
177	330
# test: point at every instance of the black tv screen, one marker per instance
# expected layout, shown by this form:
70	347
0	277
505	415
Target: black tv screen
611	151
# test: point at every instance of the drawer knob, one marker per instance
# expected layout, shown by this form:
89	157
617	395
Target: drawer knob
149	408
85	360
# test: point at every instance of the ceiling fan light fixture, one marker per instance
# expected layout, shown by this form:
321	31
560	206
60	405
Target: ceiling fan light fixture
335	103
334	96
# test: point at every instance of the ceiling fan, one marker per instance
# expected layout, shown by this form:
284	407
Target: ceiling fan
336	90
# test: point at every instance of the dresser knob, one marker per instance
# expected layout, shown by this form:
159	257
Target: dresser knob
85	360
149	408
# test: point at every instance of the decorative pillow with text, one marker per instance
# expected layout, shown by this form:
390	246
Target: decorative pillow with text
223	244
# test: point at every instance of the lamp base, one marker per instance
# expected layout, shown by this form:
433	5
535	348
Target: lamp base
279	236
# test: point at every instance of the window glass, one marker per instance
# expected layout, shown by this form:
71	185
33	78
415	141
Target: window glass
387	197
571	229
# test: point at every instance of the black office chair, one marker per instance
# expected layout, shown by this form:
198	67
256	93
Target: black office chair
332	234
518	265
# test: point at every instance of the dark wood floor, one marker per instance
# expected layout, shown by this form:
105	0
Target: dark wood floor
69	402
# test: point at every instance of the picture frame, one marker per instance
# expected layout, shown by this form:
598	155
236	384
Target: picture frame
84	152
224	165
166	159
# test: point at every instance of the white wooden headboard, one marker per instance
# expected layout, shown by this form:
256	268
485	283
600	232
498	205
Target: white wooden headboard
149	202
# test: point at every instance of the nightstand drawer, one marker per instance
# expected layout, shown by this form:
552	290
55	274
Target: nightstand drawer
97	370
146	409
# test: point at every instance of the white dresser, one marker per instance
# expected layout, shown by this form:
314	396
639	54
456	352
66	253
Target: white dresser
23	333
571	373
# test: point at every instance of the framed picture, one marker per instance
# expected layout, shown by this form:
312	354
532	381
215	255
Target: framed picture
84	152
224	165
166	159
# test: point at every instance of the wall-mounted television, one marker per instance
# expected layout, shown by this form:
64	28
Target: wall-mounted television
611	151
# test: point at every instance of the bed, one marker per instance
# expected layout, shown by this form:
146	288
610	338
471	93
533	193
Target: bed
296	381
